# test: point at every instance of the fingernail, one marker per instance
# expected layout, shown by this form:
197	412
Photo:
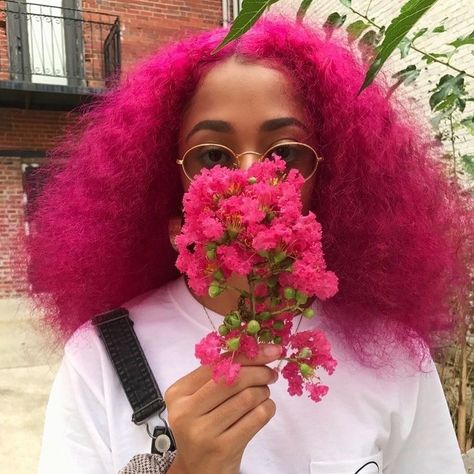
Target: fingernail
275	377
272	350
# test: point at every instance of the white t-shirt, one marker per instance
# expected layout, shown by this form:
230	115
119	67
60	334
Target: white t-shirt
400	422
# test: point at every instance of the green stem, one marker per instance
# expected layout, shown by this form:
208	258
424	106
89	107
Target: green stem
238	290
252	294
288	308
439	61
365	17
368	8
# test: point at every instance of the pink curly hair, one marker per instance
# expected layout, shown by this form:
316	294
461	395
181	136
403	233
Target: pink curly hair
393	226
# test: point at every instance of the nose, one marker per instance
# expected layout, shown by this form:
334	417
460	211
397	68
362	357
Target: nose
247	159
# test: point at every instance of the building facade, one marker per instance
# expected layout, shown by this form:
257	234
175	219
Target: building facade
56	55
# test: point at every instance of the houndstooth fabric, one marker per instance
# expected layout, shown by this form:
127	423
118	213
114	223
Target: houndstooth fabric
149	463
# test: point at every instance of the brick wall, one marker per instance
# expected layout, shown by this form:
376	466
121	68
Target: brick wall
11	220
25	135
146	24
22	129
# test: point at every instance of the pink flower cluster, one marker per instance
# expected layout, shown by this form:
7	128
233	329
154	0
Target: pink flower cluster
309	349
250	223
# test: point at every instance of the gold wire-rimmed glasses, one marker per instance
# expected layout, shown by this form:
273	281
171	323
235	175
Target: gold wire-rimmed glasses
296	155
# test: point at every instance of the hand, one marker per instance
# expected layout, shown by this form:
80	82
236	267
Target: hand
213	422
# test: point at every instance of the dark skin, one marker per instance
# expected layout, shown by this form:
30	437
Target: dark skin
246	107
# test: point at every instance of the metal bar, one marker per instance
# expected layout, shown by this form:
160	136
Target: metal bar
35	49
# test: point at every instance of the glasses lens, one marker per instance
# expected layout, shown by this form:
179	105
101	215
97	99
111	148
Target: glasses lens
206	156
296	156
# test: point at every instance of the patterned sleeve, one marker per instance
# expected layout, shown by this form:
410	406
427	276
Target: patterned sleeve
149	464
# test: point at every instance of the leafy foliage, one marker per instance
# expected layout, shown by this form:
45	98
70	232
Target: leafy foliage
463	40
251	11
468	164
407	75
335	20
410	13
305	4
354	30
449	94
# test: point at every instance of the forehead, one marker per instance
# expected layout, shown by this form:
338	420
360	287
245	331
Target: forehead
244	94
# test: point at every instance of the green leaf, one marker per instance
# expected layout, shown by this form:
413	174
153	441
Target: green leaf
468	122
305	4
346	3
407	75
370	38
429	57
439	29
410	13
419	33
448	93
468	164
463	40
405	44
251	11
404	47
335	20
355	29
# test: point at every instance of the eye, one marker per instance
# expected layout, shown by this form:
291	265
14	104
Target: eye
213	156
287	152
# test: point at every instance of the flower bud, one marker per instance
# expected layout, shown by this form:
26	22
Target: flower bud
252	180
289	293
305	353
275	301
233	344
306	370
223	330
264	315
278	325
211	246
277	340
265	336
253	327
269	216
218	275
308	313
211	254
232	233
301	298
272	281
214	289
279	256
232	320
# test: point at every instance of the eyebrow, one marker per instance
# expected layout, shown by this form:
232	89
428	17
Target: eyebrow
225	127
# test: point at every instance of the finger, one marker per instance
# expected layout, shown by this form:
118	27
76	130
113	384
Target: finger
212	394
191	382
233	409
266	353
250	424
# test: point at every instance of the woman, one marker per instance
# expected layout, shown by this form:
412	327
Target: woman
394	232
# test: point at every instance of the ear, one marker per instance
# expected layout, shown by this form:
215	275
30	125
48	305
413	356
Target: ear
174	228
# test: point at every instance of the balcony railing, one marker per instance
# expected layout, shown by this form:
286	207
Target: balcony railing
56	45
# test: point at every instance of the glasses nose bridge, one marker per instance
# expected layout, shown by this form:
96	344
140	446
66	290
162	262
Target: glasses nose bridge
249	157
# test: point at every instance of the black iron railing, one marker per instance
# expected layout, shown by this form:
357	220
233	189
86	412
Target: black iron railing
58	45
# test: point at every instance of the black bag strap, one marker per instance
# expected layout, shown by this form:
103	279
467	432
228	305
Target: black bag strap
116	331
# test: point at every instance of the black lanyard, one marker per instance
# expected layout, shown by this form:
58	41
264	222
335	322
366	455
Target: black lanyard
115	328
